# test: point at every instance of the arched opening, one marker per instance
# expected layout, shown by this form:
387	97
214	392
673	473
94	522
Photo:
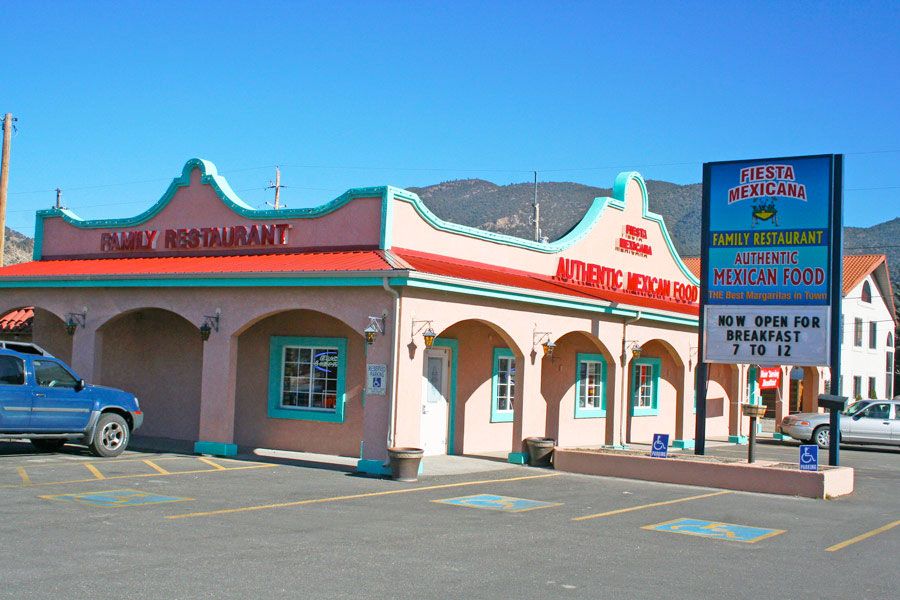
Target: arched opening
158	356
866	293
804	389
299	384
578	384
33	324
481	414
655	393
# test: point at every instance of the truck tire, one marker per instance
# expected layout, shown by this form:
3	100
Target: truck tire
111	436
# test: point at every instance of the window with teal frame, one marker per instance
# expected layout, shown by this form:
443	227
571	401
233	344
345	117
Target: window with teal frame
307	378
503	385
645	386
590	386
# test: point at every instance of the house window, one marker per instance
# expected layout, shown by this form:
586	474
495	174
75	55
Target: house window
857	332
590	386
503	386
645	386
873	335
867	293
306	378
857	387
872	393
889	376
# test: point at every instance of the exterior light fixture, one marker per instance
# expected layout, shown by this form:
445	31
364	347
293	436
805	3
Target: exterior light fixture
549	347
210	324
73	320
428	335
542	338
636	350
375	326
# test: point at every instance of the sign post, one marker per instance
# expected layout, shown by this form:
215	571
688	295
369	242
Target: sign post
771	255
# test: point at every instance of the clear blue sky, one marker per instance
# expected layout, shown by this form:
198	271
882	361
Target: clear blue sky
404	93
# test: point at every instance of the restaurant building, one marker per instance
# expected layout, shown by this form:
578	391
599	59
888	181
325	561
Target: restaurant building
311	329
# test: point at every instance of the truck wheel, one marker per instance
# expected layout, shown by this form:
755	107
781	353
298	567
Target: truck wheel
110	436
47	444
821	436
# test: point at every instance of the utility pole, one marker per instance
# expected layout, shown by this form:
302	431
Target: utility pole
537	213
4	179
277	186
58	199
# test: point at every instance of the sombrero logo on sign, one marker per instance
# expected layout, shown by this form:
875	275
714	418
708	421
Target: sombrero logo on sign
768	249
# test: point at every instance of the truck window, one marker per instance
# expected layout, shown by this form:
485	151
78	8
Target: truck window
12	371
51	374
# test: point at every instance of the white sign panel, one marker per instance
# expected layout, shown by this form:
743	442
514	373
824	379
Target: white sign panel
376	379
771	335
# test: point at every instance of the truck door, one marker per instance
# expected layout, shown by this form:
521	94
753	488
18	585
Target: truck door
57	406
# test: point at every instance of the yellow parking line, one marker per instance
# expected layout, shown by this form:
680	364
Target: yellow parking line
156	467
139	475
226	511
861	537
96	472
211	463
26	480
651	505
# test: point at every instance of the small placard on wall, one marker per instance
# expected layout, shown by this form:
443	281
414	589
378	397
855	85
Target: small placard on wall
376	380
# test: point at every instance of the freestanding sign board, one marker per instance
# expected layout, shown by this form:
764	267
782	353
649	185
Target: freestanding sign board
767	260
770	285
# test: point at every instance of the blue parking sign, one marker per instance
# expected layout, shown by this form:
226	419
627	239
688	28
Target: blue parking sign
809	457
660	445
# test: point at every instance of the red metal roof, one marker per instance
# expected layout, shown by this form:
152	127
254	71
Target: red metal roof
856	268
17	321
462	269
308	262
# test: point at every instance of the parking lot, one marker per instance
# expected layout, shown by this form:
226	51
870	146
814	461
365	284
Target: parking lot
161	525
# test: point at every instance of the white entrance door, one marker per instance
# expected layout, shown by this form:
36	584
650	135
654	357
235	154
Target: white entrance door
435	407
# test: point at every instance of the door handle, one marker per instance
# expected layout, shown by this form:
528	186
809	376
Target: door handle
38	395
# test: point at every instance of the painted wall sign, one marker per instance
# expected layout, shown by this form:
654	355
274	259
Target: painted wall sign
594	275
376	379
769	378
236	236
634	241
767	260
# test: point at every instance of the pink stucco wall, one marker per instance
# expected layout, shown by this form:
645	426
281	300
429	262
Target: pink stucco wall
558	387
474	431
156	355
723	385
253	426
49	332
356	224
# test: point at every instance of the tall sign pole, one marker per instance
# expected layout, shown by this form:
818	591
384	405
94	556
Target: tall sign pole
837	280
4	179
771	266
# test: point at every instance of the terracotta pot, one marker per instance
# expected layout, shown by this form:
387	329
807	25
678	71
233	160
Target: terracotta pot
540	451
405	463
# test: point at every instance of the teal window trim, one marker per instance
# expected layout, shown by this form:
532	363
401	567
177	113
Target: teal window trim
645	411
453	346
277	344
497	415
590	413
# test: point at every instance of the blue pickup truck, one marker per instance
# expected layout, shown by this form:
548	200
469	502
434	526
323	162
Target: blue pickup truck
42	400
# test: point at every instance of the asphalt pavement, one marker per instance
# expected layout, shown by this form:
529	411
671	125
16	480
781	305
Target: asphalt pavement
163	525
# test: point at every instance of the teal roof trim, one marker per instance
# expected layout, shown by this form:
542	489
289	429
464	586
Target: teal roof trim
621	183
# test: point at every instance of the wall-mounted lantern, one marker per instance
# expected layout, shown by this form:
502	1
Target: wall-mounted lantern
543	338
428	335
210	324
74	320
375	326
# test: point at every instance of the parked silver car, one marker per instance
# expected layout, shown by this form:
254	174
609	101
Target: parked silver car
865	422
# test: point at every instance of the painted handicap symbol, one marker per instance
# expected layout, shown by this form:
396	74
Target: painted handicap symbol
715	530
658	445
115	498
809	457
494	502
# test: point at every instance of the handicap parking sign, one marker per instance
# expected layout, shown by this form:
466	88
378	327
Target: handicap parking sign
809	457
660	445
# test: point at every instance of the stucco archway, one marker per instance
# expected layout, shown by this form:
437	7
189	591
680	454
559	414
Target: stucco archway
664	404
321	414
157	355
569	385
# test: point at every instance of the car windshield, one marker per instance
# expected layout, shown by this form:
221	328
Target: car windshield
855	408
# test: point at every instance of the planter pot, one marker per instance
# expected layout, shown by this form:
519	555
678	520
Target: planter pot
540	451
757	411
405	463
